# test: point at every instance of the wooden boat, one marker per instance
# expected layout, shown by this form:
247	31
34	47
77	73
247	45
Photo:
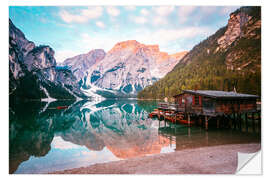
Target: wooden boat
184	121
61	107
170	118
153	114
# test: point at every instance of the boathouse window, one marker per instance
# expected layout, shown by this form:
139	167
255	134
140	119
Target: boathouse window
181	101
196	100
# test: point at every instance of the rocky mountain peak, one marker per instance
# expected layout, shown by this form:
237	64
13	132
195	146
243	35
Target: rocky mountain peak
16	37
244	23
33	73
134	46
131	45
41	57
236	22
151	49
129	67
80	64
97	54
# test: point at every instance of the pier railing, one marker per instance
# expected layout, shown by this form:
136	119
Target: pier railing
170	106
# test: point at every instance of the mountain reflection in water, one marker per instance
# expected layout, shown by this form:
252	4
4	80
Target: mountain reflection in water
44	139
38	131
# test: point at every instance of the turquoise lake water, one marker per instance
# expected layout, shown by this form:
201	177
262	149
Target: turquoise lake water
44	139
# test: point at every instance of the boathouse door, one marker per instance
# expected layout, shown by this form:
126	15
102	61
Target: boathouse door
188	103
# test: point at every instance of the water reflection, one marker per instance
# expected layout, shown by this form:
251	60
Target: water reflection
32	129
44	139
195	137
38	129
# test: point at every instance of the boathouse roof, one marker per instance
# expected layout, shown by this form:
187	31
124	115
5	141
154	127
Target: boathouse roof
219	94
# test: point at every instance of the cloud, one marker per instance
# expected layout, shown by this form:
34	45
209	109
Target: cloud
184	12
159	20
92	12
62	55
89	42
83	16
144	12
162	37
69	18
163	10
227	10
113	11
100	24
206	10
165	36
130	8
140	20
160	13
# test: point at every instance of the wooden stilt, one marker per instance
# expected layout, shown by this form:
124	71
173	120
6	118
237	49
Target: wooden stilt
206	137
259	120
253	122
234	120
218	119
230	122
206	123
189	132
200	120
240	122
246	124
237	121
221	123
188	120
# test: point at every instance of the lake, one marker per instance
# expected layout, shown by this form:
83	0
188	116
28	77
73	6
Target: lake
44	139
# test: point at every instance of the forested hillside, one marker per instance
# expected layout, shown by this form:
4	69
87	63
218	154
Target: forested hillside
230	59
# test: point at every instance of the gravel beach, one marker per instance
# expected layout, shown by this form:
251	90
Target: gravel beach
206	160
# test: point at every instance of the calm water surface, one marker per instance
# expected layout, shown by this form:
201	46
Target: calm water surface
43	139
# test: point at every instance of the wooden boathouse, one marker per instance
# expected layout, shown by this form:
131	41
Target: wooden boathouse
201	106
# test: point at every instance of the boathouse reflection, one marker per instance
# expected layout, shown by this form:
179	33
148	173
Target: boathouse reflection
194	137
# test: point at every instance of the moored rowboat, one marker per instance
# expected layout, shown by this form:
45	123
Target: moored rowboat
61	107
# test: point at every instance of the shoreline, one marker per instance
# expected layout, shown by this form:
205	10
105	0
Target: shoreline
221	159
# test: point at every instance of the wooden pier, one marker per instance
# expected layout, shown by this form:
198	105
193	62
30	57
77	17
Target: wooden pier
216	108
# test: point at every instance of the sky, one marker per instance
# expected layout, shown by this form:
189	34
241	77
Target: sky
74	30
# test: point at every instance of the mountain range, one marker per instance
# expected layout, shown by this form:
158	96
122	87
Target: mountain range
229	59
122	72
